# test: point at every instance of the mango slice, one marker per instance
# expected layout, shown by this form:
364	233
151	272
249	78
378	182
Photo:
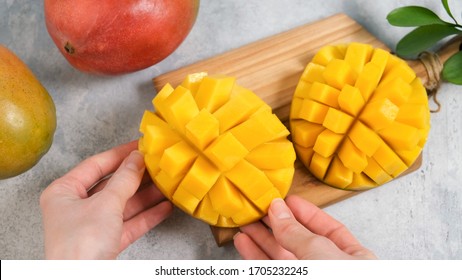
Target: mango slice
359	116
216	150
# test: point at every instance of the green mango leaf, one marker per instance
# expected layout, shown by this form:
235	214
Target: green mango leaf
448	10
452	71
413	16
422	38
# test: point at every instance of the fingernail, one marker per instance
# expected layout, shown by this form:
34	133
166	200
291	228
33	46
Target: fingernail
280	209
135	161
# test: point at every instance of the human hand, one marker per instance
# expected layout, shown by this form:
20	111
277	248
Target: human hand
88	214
298	230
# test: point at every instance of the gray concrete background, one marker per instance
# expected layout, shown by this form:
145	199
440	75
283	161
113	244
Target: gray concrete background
415	217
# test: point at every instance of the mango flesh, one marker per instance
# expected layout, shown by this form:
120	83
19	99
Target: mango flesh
359	116
27	117
216	150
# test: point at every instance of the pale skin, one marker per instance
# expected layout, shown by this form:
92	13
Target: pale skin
99	223
108	201
297	229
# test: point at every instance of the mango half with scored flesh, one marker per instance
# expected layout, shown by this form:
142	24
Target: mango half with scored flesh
216	150
359	116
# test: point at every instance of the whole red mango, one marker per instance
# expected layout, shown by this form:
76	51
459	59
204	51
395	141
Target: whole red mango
118	36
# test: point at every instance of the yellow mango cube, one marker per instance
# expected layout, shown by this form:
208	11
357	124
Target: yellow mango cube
380	58
152	163
374	171
224	188
319	165
200	178
202	129
324	94
409	156
295	107
338	175
226	151
401	70
305	133
264	200
397	91
281	179
304	154
352	157
326	54
193	81
303	89
177	159
250	180
179	107
312	111
419	94
259	128
338	73
350	100
379	113
157	138
337	121
327	143
400	136
247	215
313	73
389	160
364	138
213	92
185	200
368	80
166	184
357	55
362	182
413	114
159	99
272	155
242	104
206	212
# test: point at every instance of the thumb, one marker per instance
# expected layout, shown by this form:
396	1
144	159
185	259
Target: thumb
127	178
290	234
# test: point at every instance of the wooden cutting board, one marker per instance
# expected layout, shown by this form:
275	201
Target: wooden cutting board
271	68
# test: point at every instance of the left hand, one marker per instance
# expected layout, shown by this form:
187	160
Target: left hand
88	217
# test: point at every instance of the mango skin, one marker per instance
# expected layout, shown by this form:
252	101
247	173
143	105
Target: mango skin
27	118
116	37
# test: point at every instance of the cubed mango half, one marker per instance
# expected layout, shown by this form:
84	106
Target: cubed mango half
359	116
216	150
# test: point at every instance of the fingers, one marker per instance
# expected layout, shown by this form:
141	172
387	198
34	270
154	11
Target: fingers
140	224
126	180
145	198
247	248
82	177
288	231
319	222
310	233
146	181
264	239
96	167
